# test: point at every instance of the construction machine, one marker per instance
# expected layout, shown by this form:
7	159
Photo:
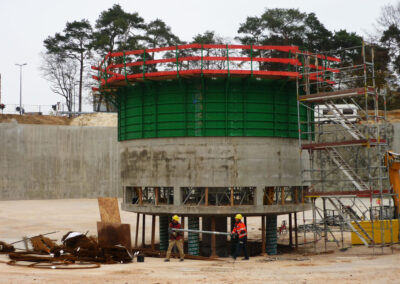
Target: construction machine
392	161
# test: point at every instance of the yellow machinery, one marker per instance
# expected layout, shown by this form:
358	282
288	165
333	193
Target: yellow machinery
392	161
376	233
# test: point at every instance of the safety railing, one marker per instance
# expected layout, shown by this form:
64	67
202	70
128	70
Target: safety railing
203	60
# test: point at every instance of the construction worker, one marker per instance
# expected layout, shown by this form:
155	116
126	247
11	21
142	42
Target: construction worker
175	238
241	232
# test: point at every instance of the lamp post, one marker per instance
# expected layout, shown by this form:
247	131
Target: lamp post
20	86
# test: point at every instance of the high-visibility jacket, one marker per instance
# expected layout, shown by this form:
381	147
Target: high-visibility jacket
240	230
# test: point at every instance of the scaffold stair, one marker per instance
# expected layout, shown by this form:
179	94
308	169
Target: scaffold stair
350	220
346	169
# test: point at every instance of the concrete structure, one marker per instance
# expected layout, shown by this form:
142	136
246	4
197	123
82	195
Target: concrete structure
49	162
210	162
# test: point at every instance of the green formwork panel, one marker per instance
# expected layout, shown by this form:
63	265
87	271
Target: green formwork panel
163	230
209	107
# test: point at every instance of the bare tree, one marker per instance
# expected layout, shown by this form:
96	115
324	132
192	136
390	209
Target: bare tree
62	74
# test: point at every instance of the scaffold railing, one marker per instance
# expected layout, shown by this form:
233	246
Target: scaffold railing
119	68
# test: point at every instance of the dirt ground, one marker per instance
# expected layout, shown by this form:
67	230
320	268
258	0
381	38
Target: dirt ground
29	218
91	119
35	119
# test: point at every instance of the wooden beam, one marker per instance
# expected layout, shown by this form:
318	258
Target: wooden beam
295	231
153	231
290	230
213	238
140	196
263	235
206	197
137	230
157	196
183	227
143	229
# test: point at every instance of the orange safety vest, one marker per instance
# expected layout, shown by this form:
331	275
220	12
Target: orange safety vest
240	229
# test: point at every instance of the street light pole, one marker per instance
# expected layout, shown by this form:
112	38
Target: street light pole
20	86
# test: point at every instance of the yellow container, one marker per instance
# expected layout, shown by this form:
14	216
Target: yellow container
367	226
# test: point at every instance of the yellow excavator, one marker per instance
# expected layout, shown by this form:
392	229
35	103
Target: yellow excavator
392	161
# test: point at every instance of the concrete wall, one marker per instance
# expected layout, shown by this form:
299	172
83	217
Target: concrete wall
395	145
210	162
48	162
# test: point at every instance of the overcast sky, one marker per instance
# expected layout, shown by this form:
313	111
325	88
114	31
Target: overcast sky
25	24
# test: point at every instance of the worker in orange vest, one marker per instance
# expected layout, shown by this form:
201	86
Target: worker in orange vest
241	232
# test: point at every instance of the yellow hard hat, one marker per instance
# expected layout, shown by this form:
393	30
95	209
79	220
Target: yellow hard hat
175	217
239	216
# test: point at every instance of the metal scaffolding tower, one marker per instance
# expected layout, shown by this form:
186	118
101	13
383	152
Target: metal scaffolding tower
345	137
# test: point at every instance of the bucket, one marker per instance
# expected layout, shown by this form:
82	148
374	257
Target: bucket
140	258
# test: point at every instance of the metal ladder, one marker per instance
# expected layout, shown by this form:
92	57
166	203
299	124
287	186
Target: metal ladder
365	238
346	169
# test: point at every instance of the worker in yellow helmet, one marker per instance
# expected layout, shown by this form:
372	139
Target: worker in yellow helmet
175	238
241	232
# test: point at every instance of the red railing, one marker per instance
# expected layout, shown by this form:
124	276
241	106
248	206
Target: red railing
194	59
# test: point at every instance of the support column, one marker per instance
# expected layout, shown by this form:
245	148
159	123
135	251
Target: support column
193	238
221	241
263	235
272	246
143	230
164	236
137	229
213	238
290	230
177	196
233	240
153	231
259	195
296	237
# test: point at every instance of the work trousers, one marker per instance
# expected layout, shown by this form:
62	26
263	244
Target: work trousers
179	245
241	244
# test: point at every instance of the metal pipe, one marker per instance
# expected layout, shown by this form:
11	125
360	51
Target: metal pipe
201	232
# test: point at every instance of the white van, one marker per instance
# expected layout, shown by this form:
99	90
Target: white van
336	113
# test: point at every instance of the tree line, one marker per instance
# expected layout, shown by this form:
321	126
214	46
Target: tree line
69	53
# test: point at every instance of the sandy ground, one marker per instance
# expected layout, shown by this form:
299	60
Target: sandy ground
19	218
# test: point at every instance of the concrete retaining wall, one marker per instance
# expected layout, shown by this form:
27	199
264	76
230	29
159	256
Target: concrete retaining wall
50	162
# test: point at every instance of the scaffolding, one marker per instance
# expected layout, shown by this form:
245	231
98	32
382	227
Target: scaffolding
345	138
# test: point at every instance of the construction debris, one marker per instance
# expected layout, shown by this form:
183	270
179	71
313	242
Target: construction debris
5	248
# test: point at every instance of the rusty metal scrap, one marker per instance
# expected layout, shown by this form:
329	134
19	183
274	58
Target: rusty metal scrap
5	248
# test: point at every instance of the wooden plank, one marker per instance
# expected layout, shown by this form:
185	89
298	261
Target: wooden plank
143	230
157	196
206	197
213	238
111	234
263	235
153	231
109	210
